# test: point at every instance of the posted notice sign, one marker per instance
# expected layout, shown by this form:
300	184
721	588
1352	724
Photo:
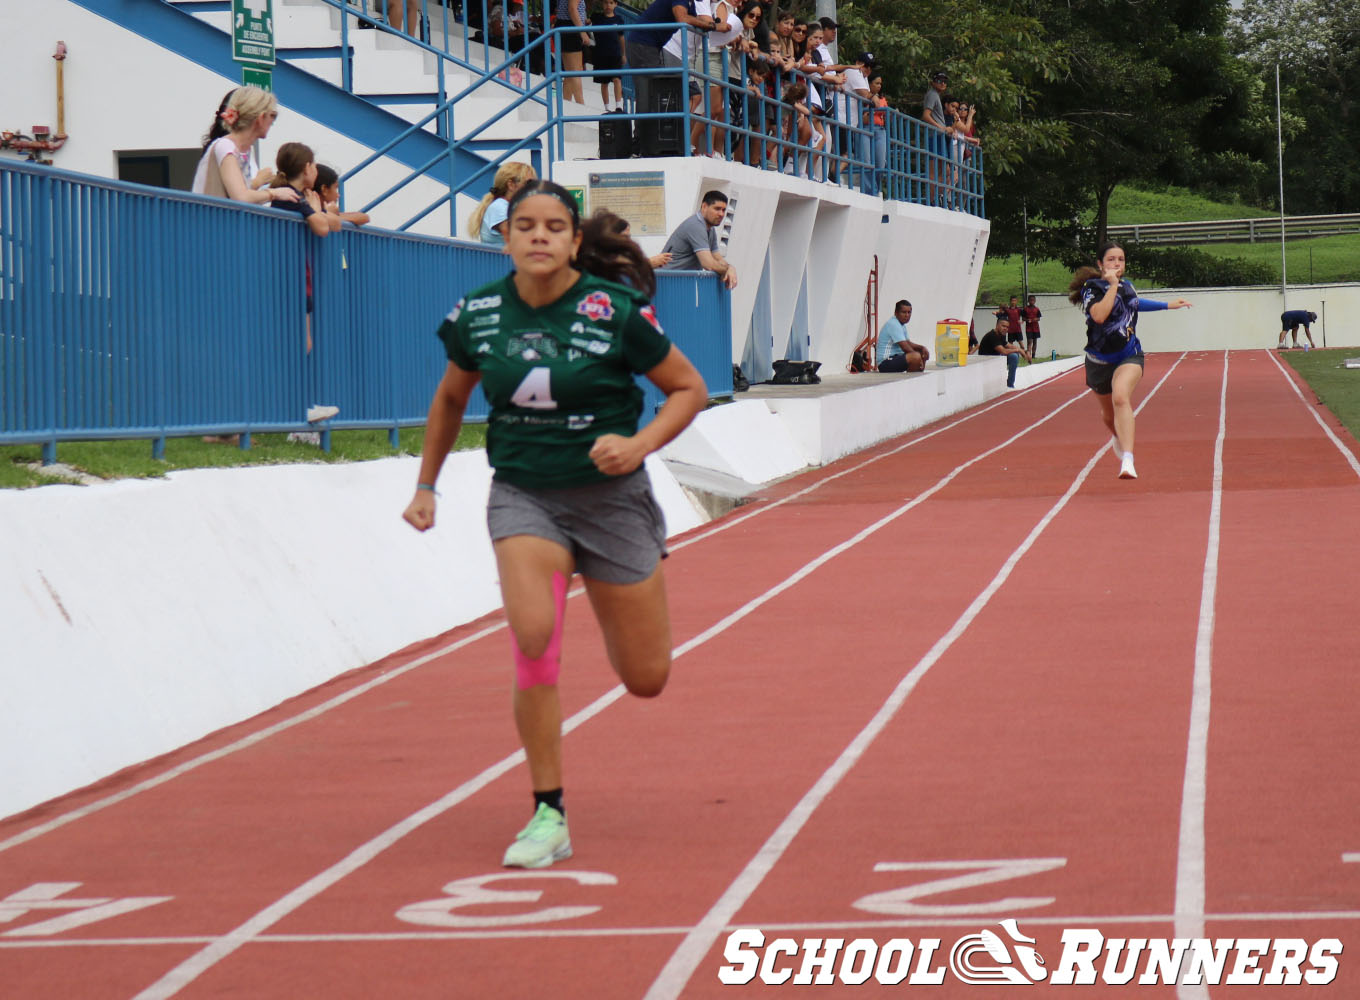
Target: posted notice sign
252	31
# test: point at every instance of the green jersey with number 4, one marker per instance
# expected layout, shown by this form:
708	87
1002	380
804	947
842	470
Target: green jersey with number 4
557	377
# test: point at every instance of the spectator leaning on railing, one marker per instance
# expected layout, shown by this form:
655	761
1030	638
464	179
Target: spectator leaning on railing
296	169
781	47
328	187
643	45
227	167
935	138
855	98
694	243
488	219
877	121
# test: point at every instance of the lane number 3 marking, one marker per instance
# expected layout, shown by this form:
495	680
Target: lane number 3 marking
474	891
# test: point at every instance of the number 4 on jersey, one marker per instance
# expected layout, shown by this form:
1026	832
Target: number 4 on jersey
535	392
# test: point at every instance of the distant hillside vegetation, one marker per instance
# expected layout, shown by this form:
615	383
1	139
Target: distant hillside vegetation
1326	259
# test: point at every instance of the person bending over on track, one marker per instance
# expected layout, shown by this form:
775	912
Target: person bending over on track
1291	321
1114	357
569	491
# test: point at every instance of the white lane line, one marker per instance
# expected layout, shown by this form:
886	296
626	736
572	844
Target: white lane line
732	522
1312	410
250	740
810	927
190	969
680	967
1190	846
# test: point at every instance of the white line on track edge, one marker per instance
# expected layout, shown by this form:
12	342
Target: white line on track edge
657	930
32	833
1190	849
680	967
1312	410
194	966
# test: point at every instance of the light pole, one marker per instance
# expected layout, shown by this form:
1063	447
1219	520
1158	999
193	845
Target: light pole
1279	141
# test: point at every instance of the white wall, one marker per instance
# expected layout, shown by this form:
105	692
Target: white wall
1219	319
140	615
932	258
826	235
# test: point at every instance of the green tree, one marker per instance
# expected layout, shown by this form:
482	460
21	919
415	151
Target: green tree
998	56
1150	82
1317	48
1076	97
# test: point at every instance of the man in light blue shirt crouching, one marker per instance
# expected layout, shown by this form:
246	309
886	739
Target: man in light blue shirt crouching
895	350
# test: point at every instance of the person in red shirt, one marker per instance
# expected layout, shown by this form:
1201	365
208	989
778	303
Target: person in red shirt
1032	315
1011	314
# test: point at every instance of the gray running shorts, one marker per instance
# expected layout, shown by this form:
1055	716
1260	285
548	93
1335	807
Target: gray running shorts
615	530
1100	376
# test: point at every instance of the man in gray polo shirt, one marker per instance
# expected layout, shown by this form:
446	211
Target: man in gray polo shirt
693	245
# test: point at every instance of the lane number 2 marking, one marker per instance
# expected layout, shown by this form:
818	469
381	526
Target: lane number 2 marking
904	901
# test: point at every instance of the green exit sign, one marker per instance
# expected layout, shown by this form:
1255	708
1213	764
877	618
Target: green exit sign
252	31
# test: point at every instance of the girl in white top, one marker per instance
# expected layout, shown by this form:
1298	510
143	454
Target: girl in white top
227	167
686	46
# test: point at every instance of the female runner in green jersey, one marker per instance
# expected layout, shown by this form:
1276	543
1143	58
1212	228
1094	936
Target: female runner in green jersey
555	345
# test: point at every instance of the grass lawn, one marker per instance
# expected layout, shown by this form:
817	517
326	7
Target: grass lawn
132	459
1172	204
1336	386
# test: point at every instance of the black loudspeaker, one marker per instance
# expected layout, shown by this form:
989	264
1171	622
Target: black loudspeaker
662	136
616	138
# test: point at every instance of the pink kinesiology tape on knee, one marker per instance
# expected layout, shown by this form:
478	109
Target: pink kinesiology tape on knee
544	669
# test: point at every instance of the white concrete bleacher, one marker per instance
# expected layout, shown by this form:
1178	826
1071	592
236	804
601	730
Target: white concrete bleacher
141	615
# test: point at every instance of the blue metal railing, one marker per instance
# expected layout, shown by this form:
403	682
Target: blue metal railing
131	312
902	159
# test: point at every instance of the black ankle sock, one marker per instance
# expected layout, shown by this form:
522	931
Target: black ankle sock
552	798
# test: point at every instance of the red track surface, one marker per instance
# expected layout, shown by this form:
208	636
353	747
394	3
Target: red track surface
973	644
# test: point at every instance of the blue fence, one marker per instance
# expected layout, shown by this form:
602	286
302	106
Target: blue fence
876	150
133	312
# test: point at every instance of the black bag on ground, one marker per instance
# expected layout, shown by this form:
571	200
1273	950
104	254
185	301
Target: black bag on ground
740	383
616	138
788	372
859	360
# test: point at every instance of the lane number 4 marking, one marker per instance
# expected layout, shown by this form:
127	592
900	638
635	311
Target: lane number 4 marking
474	891
904	901
46	896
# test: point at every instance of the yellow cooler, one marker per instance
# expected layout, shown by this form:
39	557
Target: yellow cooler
951	343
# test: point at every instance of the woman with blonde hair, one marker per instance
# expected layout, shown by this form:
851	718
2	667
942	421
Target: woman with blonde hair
487	222
227	168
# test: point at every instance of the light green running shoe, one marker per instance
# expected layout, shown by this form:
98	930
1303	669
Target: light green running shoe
542	842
